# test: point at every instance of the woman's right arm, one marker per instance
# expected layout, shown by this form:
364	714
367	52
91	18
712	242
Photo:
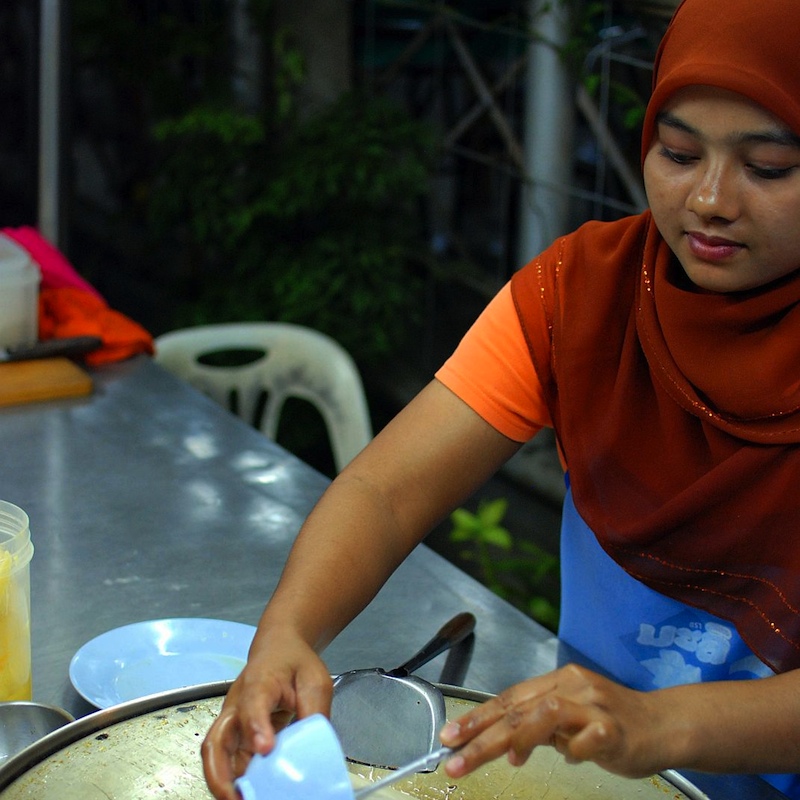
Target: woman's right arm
429	459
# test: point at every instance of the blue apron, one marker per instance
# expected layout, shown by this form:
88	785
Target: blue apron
642	638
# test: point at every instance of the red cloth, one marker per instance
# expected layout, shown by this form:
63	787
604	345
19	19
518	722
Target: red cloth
56	270
70	306
679	422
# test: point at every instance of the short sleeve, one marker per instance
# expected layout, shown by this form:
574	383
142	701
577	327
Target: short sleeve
492	372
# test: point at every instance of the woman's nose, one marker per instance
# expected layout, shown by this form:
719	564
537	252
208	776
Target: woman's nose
713	193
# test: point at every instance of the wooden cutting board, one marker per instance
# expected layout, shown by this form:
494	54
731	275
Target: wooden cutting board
42	379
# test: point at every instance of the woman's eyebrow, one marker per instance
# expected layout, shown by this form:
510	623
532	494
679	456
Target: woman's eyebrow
780	136
777	135
671	121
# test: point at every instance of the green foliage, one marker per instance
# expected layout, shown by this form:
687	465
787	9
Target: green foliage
316	224
625	98
289	72
584	19
514	569
174	54
255	212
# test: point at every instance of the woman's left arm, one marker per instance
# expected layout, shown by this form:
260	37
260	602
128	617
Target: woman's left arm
748	726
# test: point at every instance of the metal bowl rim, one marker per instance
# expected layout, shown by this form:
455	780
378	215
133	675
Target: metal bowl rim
34	704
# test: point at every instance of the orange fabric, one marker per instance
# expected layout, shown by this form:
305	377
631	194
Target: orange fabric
492	372
68	311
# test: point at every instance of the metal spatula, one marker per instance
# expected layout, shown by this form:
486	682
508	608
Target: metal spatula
426	763
386	719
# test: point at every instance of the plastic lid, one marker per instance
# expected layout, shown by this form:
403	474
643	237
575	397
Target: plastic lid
15	535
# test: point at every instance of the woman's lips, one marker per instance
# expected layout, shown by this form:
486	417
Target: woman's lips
711	248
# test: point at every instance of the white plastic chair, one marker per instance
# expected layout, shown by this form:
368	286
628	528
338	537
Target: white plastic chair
294	361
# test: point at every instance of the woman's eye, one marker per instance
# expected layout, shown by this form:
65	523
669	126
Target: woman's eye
677	156
770	173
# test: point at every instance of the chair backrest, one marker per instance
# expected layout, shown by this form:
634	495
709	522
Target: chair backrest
293	361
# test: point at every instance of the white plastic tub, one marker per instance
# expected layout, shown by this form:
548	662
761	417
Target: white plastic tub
19	295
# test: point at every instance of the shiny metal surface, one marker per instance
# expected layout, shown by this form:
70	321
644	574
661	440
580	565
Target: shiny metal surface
149	501
148	748
140	749
385	721
22	723
386	717
545	776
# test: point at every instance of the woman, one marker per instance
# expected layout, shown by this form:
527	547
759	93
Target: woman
663	350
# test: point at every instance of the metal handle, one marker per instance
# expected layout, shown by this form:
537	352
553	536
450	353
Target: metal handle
50	348
451	633
424	764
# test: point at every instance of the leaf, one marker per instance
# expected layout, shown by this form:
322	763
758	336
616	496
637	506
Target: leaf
498	537
463	518
499	590
491	512
542	610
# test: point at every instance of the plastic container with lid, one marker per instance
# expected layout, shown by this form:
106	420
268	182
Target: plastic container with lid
16	551
19	295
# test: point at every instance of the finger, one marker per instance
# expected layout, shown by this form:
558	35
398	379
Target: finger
531	725
314	695
218	754
494	741
263	708
578	732
545	721
479	751
459	731
280	719
473	723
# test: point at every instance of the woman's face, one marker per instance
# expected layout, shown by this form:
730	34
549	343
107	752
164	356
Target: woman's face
723	181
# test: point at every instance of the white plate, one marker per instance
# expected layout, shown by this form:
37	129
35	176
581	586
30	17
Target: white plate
156	656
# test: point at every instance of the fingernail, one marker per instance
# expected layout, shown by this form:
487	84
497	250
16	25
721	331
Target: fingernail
455	766
450	731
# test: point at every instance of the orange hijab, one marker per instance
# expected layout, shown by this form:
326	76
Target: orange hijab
679	412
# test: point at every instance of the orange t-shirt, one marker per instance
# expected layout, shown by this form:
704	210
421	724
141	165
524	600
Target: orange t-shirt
492	372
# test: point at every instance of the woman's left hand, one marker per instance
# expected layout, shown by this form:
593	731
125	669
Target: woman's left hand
584	716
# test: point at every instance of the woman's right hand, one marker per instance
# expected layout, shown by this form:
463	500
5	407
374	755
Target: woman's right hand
283	678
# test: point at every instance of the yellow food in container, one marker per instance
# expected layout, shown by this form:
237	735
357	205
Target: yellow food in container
15	650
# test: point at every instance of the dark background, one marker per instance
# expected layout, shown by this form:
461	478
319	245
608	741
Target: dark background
302	171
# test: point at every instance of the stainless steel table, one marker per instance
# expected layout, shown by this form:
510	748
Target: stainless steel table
149	501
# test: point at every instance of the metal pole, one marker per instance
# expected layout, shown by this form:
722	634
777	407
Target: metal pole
549	123
50	25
